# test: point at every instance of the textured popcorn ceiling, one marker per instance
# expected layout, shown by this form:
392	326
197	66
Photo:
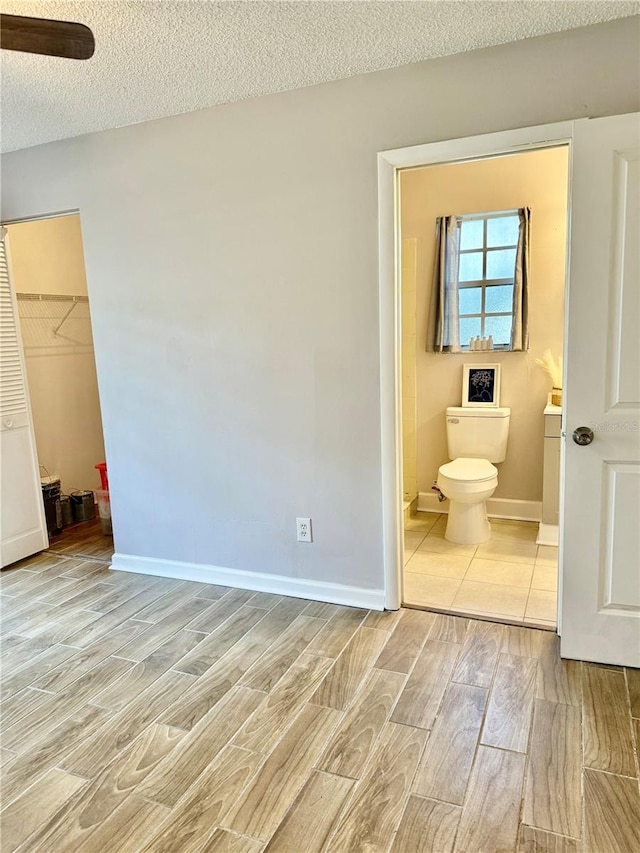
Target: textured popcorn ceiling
161	57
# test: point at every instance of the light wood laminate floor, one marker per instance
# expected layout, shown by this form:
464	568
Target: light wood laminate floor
145	714
84	539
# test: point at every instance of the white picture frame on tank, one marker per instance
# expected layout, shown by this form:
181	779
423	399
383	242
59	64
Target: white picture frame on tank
481	385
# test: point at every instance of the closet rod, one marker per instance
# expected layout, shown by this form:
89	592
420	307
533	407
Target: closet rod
50	297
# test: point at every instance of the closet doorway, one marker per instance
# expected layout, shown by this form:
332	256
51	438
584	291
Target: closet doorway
49	282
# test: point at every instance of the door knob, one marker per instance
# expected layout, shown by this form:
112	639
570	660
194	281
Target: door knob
582	435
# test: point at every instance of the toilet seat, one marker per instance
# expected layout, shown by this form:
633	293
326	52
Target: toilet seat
467	470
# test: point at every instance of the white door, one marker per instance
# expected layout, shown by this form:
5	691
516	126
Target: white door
600	595
22	523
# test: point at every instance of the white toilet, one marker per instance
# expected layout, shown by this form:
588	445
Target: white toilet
475	438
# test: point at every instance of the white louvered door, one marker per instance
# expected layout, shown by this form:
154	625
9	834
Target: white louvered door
22	522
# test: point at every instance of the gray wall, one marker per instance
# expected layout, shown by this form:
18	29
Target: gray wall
232	267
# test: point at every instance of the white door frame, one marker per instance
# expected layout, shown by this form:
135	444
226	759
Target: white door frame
20	221
389	165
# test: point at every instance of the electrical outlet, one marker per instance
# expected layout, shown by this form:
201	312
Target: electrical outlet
303	526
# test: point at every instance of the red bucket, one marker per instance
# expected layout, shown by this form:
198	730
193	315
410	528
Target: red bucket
102	467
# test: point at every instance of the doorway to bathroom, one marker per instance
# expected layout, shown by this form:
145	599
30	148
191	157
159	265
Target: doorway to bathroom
59	488
509	574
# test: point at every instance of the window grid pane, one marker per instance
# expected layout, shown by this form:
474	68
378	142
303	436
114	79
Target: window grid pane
470	300
499	299
500	263
502	230
470	327
471	234
499	327
471	266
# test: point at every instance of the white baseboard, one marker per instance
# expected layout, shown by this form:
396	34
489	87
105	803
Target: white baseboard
548	534
508	508
334	593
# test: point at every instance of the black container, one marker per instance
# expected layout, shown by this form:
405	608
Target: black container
50	498
66	511
84	508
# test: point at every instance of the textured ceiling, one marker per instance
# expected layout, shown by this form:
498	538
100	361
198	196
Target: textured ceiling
162	57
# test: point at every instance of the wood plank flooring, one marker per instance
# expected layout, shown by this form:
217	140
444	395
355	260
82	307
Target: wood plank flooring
146	715
84	539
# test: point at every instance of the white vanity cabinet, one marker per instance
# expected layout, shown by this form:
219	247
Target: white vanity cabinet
548	532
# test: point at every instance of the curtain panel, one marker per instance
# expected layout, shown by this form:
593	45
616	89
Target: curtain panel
443	330
520	326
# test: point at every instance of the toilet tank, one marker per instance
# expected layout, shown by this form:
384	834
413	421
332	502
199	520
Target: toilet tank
478	433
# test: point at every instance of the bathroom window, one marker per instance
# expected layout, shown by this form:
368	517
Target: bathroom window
486	265
487	257
480	281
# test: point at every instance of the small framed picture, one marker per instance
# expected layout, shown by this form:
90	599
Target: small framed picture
481	385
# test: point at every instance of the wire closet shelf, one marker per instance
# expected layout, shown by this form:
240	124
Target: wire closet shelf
54	321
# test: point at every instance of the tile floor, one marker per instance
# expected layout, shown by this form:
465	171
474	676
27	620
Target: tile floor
509	578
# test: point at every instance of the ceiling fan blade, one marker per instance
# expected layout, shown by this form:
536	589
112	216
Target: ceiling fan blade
52	38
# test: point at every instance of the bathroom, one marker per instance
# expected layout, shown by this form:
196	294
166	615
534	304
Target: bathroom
506	571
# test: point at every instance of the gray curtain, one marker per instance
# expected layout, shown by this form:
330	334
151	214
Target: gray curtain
443	334
520	327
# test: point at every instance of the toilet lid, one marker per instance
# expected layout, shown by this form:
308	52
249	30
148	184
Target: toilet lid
477	470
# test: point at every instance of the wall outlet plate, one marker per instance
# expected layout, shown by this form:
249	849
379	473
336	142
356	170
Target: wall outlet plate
303	526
